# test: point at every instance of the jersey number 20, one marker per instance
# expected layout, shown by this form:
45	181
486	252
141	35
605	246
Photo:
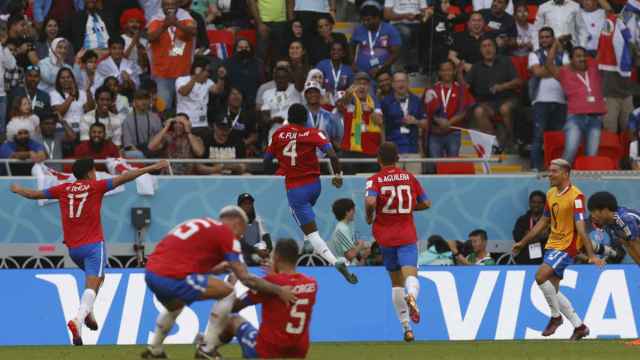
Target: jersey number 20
300	315
403	194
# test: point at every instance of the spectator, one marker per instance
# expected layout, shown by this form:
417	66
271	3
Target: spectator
437	253
593	18
140	125
309	12
563	16
136	47
466	45
230	15
326	100
256	241
270	17
121	102
271	84
383	85
201	38
549	104
406	16
158	105
21	113
7	62
479	255
193	96
219	145
297	58
51	31
295	32
117	65
51	65
39	100
493	82
343	243
97	146
242	119
500	25
176	141
486	4
103	114
276	101
20	146
12	78
52	140
58	10
525	32
323	41
245	71
92	29
447	103
532	254
320	118
25	51
437	33
170	34
68	101
85	70
404	120
375	44
580	81
336	70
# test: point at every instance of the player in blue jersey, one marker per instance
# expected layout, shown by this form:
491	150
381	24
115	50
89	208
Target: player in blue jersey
622	224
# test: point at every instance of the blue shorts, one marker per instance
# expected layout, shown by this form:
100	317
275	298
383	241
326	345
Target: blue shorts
301	201
186	290
247	335
92	258
558	260
398	256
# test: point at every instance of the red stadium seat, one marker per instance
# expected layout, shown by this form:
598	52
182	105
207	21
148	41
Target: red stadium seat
250	35
610	146
553	145
533	11
461	168
521	63
594	163
625	141
223	38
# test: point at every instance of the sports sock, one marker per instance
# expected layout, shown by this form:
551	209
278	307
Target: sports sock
320	246
402	310
86	305
568	311
551	295
218	321
164	323
412	285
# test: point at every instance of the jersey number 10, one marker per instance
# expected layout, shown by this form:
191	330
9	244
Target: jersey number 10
403	194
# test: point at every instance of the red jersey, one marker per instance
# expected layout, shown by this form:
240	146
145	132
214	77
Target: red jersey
80	204
195	246
284	330
397	192
295	148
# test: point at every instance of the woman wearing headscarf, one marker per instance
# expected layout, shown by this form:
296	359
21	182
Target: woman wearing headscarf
326	101
50	32
51	65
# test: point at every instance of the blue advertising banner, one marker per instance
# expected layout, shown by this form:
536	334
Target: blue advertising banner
457	303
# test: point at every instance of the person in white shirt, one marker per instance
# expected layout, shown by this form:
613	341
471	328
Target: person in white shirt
85	70
7	62
126	71
21	112
594	18
102	114
68	101
276	101
136	47
563	16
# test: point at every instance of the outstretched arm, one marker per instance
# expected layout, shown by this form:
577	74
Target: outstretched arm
260	285
28	193
133	174
588	247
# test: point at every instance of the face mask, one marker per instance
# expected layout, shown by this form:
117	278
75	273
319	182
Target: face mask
243	54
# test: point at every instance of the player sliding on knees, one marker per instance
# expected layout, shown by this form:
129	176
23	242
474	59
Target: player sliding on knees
294	145
392	195
564	211
284	330
80	204
180	270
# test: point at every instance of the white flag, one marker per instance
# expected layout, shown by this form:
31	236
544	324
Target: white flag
145	185
483	145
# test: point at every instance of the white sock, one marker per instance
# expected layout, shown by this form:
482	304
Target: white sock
412	285
86	305
402	310
164	323
568	311
320	246
551	295
218	321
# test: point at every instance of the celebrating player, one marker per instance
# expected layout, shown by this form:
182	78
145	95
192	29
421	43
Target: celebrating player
564	210
80	204
284	331
179	272
294	146
622	224
392	195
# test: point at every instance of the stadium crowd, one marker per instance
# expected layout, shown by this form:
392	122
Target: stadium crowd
214	79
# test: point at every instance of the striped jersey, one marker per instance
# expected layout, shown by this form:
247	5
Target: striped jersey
342	239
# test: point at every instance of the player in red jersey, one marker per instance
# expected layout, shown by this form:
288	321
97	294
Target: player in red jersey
294	145
284	330
392	195
180	271
80	204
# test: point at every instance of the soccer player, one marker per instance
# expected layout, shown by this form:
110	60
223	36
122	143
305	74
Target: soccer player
294	145
180	271
80	204
564	211
284	331
392	195
622	224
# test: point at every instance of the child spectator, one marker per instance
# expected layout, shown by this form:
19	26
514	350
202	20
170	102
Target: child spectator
343	243
22	113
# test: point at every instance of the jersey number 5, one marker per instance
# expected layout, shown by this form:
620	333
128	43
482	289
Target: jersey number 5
295	314
403	194
290	151
73	212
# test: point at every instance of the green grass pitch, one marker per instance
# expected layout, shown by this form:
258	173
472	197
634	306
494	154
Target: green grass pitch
479	350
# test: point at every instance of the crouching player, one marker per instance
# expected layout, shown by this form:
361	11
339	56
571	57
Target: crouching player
284	330
180	269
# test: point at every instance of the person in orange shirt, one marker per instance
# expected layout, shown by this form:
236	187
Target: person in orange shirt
171	35
564	211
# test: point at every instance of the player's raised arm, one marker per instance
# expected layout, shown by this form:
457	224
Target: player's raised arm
28	193
239	269
133	174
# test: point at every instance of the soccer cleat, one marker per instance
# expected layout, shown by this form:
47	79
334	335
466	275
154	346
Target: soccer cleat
202	354
148	354
342	269
634	342
408	335
552	326
580	332
90	322
414	312
75	332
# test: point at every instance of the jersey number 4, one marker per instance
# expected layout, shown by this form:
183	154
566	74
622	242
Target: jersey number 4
73	211
290	151
296	314
400	192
